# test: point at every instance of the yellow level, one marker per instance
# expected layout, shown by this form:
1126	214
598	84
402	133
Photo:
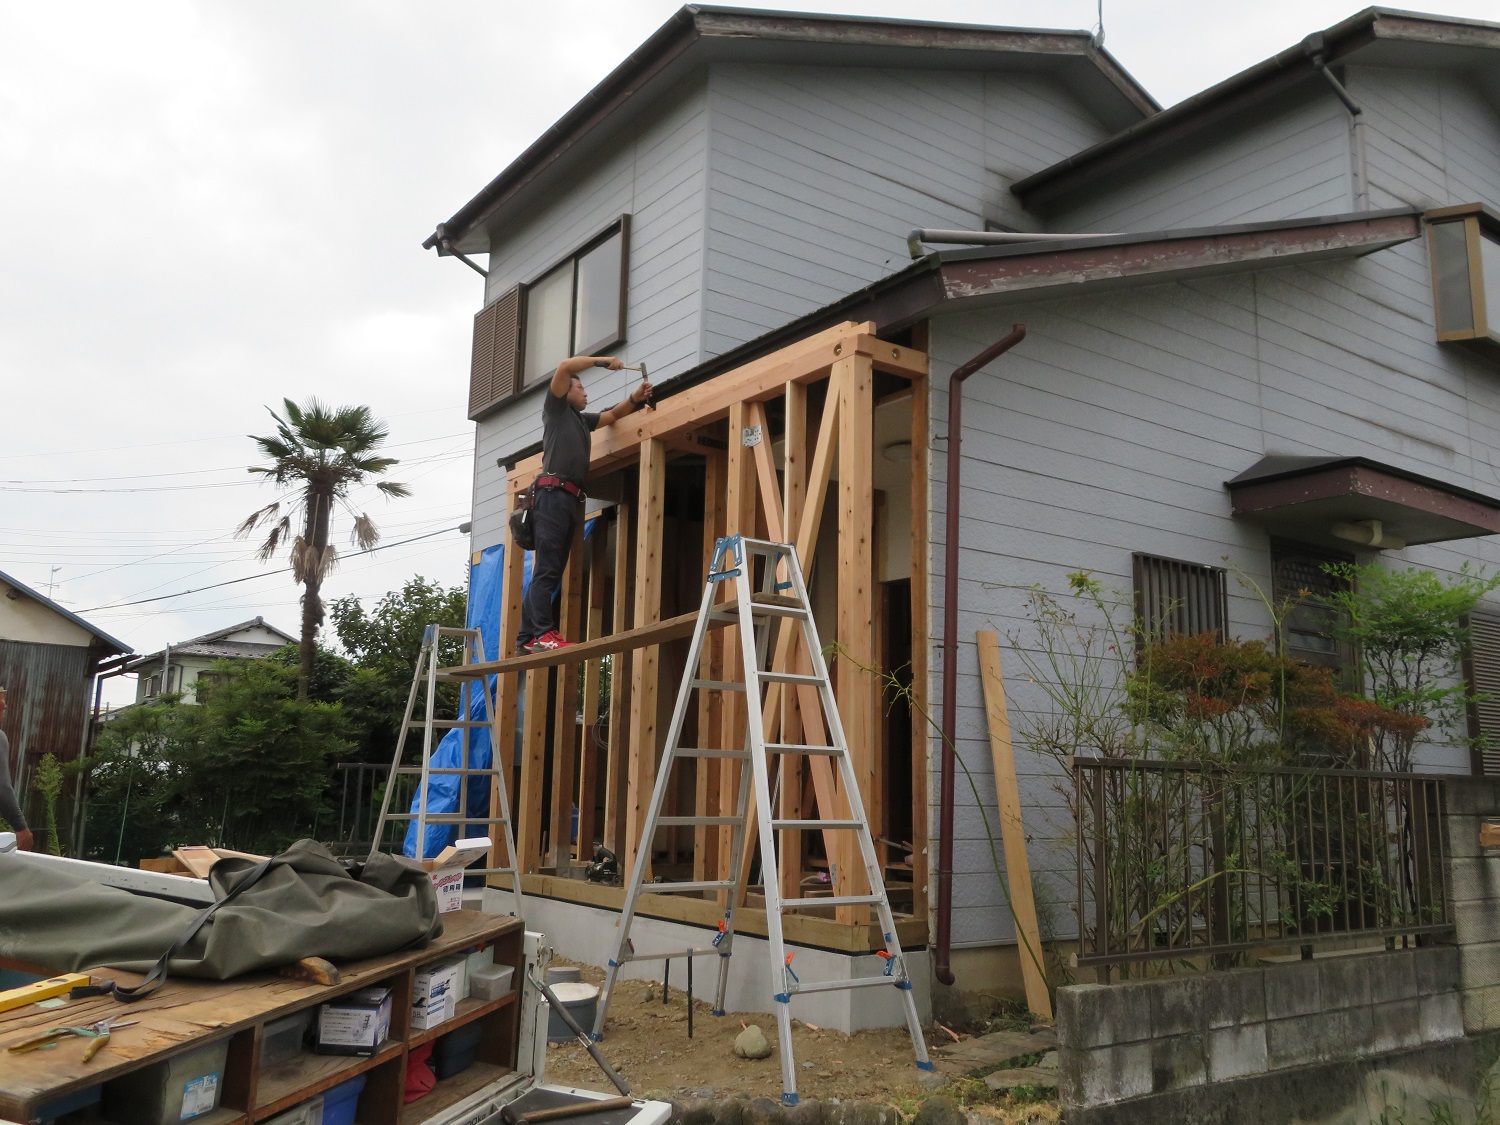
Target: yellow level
41	990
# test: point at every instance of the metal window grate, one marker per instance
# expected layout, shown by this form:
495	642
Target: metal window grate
1173	598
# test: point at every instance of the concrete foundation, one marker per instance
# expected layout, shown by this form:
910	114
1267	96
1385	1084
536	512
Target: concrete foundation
590	934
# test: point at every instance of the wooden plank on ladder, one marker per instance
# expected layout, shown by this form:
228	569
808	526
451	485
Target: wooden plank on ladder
644	668
1012	833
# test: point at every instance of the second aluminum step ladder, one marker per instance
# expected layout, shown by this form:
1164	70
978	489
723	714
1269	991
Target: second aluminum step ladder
424	685
780	602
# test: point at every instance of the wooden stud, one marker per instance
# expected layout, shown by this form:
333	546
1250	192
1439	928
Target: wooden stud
507	688
643	669
739	519
921	737
706	779
856	675
616	762
1012	832
530	818
793	845
565	710
588	763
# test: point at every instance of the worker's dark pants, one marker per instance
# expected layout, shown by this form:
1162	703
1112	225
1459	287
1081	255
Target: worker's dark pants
553	518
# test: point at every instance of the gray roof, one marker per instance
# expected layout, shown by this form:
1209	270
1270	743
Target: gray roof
214	646
105	638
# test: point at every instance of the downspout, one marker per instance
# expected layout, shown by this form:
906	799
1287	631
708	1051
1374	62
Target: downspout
943	967
1359	165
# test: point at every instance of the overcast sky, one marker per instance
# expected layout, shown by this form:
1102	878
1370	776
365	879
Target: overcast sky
209	206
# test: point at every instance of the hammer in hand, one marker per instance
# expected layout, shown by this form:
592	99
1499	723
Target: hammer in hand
650	402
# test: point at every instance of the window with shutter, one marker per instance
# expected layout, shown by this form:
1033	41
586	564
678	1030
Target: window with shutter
1482	668
1174	598
1310	627
497	340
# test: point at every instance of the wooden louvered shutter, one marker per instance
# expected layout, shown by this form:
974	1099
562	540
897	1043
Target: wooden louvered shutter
1483	671
1175	598
497	347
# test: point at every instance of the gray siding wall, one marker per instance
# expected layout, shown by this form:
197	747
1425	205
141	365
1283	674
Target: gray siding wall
817	175
657	174
1112	428
1294	163
1432	138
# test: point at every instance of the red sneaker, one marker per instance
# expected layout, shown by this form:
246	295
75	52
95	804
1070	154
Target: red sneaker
548	642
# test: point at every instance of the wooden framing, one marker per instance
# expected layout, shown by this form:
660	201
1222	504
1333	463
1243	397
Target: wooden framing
777	485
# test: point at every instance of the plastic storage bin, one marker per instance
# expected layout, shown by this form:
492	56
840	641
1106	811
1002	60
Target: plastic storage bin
181	1088
309	1112
340	1103
491	982
283	1038
454	1052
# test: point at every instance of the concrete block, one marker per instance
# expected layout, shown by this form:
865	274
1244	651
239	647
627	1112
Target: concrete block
1103	1075
1300	1040
1351	1033
1476	922
1475	878
1393	976
1395	1026
1437	969
1441	1017
1479	965
1234	998
1463	838
1177	1063
1344	982
1481	1008
1101	1015
1176	1006
1236	1052
1473	796
1292	990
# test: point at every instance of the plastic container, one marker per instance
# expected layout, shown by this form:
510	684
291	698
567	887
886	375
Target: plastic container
283	1038
181	1088
340	1102
309	1112
454	1052
564	974
491	982
580	1000
69	1103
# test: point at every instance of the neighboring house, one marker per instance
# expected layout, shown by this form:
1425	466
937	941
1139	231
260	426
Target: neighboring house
1246	360
50	662
182	666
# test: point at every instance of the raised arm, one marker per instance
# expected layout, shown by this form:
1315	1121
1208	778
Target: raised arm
568	368
629	406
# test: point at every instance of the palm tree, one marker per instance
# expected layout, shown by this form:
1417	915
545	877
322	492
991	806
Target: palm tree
318	454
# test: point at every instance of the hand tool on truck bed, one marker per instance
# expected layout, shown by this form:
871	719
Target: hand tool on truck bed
97	1032
558	1112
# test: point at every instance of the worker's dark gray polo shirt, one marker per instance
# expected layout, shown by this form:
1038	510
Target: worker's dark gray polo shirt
565	439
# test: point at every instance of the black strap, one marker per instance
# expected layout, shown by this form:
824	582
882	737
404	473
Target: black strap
158	974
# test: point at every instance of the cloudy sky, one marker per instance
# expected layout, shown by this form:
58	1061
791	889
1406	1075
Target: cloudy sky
209	206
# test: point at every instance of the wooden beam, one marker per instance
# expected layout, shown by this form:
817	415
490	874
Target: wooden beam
706	781
565	709
530	818
921	736
793	845
893	359
765	472
588	762
507	688
739	519
647	576
856	611
616	759
1012	833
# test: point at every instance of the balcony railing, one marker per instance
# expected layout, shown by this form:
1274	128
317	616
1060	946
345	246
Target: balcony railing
1198	862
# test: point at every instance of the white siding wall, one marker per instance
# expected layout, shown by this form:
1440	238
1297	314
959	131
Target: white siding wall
1433	139
1112	428
656	174
817	175
1294	163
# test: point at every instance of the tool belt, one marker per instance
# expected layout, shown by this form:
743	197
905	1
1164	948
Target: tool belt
557	482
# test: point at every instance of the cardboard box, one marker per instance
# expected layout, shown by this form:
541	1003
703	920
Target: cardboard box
447	870
355	1024
436	993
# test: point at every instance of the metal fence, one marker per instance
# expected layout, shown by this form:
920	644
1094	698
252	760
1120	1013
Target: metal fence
1200	862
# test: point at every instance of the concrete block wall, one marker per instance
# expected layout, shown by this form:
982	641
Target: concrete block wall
1124	1041
1474	890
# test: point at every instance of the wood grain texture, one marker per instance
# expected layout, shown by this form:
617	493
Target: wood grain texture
647	579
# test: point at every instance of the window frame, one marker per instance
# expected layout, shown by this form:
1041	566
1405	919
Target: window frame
621	226
1479	224
1343	660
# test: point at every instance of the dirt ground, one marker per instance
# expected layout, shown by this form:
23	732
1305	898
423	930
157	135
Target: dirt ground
647	1042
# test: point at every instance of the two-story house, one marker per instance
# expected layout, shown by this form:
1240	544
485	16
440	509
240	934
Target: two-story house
1260	333
181	667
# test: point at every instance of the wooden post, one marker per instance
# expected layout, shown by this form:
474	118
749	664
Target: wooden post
739	519
1012	833
710	703
616	762
643	669
921	733
793	774
588	768
533	767
507	687
856	610
565	709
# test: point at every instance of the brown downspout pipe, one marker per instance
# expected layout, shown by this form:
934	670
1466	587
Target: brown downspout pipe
943	967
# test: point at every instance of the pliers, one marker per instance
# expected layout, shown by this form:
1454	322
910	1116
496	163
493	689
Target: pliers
97	1033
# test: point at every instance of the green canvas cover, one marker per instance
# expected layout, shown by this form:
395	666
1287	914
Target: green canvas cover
305	905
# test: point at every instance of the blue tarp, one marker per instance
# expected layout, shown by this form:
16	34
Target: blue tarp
485	581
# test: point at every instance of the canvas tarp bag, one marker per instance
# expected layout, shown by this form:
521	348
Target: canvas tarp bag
266	914
522	531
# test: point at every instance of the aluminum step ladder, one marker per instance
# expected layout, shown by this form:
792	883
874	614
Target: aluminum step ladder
780	602
425	684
